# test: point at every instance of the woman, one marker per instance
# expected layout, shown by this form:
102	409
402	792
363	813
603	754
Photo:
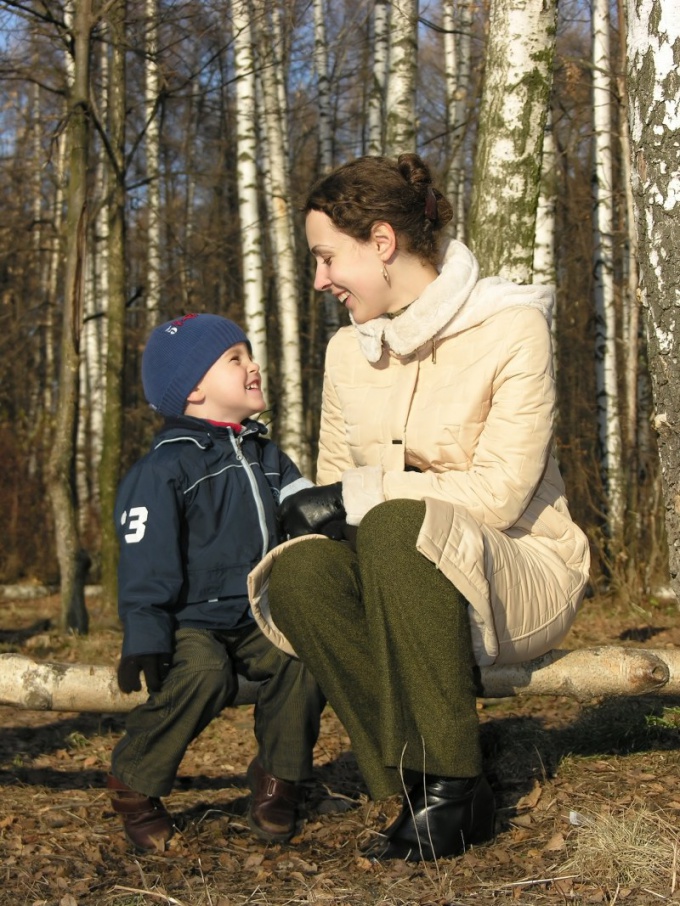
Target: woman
436	435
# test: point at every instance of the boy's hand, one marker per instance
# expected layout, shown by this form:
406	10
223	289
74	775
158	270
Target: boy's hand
155	668
311	509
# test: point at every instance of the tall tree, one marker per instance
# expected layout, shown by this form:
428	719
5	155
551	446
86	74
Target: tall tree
290	410
511	126
375	137
73	560
603	268
457	25
152	146
247	152
654	88
401	125
109	464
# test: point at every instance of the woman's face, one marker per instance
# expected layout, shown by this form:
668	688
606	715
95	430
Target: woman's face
352	271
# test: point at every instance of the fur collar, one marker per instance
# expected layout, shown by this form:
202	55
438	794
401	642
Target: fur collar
455	301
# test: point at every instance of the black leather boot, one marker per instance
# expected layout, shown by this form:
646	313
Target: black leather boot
440	817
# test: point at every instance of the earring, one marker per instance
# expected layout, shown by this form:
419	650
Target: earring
386	276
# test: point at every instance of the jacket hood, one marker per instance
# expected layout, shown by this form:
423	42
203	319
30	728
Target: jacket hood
455	301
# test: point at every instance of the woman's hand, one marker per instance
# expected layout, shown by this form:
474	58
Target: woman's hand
313	510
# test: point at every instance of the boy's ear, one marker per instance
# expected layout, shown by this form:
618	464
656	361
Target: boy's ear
196	396
384	239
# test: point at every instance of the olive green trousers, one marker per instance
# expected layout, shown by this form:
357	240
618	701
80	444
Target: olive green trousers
387	637
202	682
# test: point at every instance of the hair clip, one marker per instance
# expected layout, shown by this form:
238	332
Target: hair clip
431	204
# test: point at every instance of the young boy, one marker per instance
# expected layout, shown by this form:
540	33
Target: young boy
194	516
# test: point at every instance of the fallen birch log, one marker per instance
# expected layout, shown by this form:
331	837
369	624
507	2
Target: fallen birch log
583	674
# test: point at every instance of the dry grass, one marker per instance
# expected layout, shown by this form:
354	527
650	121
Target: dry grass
625	848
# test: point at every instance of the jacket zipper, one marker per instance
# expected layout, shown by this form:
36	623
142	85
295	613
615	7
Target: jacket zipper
236	444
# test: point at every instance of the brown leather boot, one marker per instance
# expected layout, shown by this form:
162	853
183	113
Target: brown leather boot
273	806
147	824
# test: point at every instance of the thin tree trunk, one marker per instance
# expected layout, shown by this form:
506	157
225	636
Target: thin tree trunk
251	233
514	108
323	87
109	464
152	145
401	122
603	267
73	560
375	143
290	415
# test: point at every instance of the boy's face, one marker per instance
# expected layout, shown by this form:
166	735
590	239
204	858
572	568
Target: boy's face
231	389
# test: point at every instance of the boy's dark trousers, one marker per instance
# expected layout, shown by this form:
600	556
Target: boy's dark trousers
201	683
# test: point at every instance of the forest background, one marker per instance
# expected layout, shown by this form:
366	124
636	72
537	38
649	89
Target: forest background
153	161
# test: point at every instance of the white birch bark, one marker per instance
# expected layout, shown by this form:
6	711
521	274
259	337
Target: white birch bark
375	137
583	674
93	347
512	118
654	90
609	427
323	87
544	245
457	25
152	147
246	143
401	123
290	412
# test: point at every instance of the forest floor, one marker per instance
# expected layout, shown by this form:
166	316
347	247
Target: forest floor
588	799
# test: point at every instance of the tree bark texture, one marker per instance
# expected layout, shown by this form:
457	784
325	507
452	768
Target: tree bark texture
73	560
584	674
512	119
654	98
112	436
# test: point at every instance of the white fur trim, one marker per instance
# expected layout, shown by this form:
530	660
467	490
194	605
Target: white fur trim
455	301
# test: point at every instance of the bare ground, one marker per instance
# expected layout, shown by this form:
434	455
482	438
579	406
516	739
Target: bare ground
588	796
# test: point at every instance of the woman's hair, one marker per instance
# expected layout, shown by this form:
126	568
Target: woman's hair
399	192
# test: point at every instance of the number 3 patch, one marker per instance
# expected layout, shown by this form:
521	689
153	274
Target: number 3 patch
136	523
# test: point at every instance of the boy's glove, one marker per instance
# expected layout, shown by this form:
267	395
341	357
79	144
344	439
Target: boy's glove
154	666
311	509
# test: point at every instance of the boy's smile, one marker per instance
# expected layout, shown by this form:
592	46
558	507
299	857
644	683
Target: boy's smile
231	390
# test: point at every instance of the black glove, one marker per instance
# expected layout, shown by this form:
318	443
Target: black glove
311	509
154	666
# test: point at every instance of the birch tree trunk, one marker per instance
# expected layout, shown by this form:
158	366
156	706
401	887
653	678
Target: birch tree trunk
112	429
608	408
73	560
457	24
246	143
512	118
401	123
152	145
322	87
375	138
654	90
544	266
290	410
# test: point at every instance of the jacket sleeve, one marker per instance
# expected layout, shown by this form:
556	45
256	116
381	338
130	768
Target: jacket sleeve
335	456
150	573
512	451
291	479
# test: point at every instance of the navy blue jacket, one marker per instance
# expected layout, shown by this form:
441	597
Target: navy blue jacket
193	517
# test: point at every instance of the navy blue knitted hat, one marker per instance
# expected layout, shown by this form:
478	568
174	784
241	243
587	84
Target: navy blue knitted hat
178	354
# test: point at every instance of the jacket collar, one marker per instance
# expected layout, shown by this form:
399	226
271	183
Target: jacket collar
197	429
455	301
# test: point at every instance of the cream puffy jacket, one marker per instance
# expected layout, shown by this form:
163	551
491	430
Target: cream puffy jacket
460	388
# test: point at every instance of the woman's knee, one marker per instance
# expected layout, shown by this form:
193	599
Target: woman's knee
391	522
